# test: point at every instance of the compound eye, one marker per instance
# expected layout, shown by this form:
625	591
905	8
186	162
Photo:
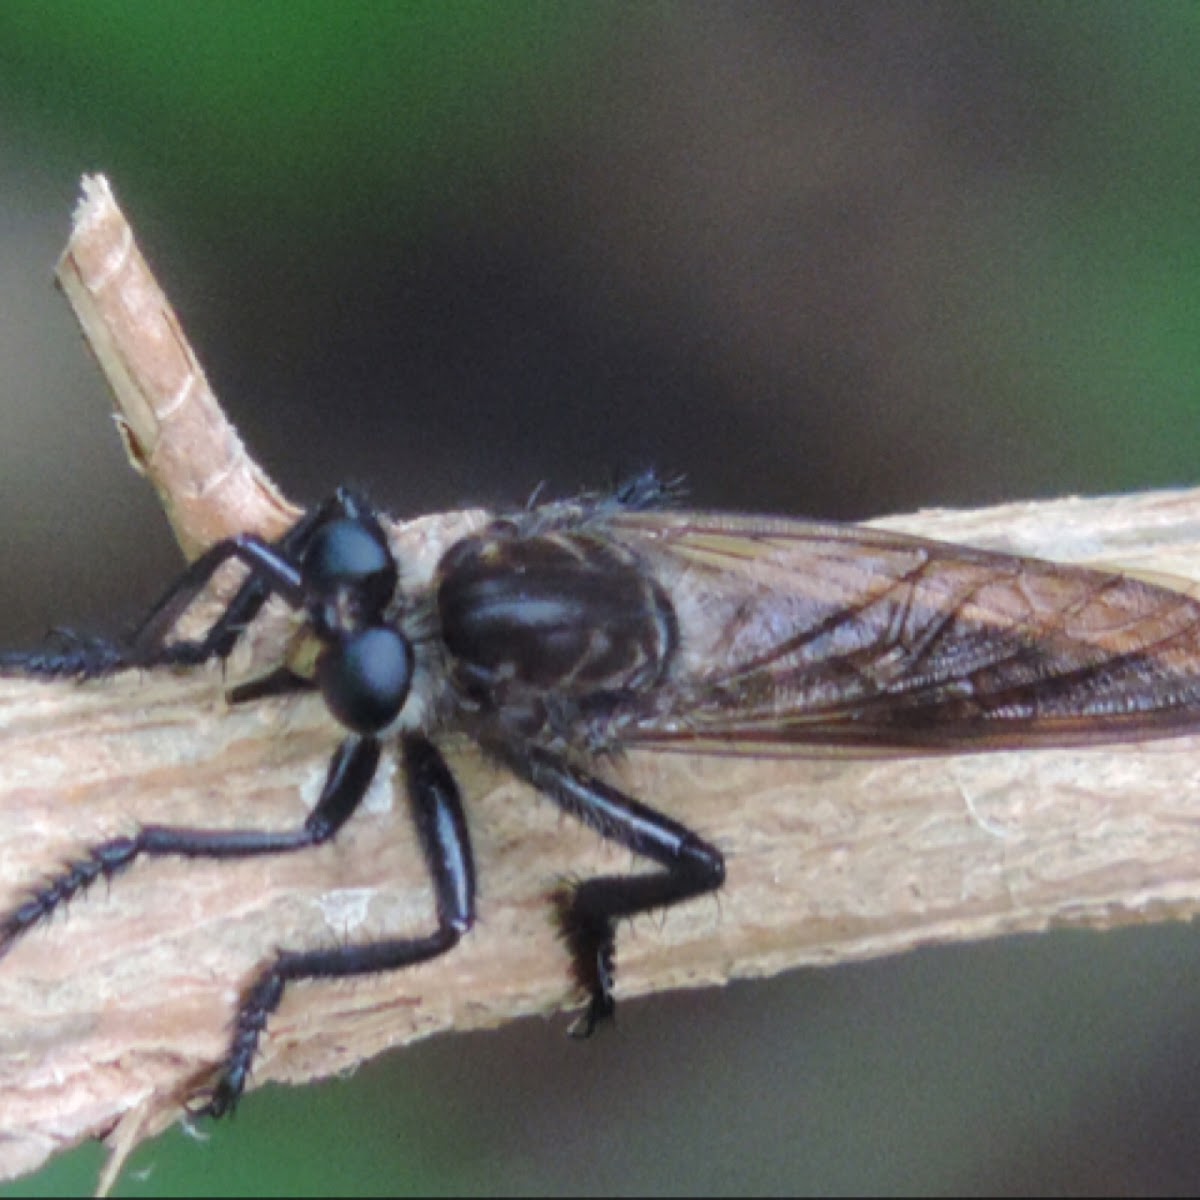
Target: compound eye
349	553
365	678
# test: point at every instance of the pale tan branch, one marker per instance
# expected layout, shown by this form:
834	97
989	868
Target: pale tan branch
109	1016
171	423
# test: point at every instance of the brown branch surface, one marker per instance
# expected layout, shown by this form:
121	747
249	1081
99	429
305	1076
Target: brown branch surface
169	419
108	1017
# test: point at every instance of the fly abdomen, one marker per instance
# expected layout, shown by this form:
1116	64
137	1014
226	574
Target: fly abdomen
565	613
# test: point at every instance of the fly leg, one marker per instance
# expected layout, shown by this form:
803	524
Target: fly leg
273	569
350	773
66	654
246	604
77	656
589	911
442	833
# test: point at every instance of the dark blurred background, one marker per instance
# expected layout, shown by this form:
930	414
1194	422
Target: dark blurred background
833	259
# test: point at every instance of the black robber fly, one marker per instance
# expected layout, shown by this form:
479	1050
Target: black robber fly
557	635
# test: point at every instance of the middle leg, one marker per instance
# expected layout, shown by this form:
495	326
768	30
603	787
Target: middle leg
589	911
446	847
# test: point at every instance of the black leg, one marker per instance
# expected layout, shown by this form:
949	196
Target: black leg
67	654
445	844
247	601
271	569
589	911
282	681
350	773
78	656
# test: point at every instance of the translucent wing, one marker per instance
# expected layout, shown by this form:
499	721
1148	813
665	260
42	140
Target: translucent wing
797	634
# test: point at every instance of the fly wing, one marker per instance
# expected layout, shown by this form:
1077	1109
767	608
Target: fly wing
798	635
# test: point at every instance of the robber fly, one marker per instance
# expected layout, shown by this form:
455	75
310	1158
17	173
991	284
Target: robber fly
557	635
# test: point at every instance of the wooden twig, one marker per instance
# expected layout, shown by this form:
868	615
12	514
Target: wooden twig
173	428
108	1017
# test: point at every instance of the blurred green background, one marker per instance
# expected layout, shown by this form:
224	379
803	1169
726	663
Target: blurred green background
834	259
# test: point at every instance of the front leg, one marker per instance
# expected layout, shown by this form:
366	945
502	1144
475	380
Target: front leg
273	569
350	773
589	911
76	656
